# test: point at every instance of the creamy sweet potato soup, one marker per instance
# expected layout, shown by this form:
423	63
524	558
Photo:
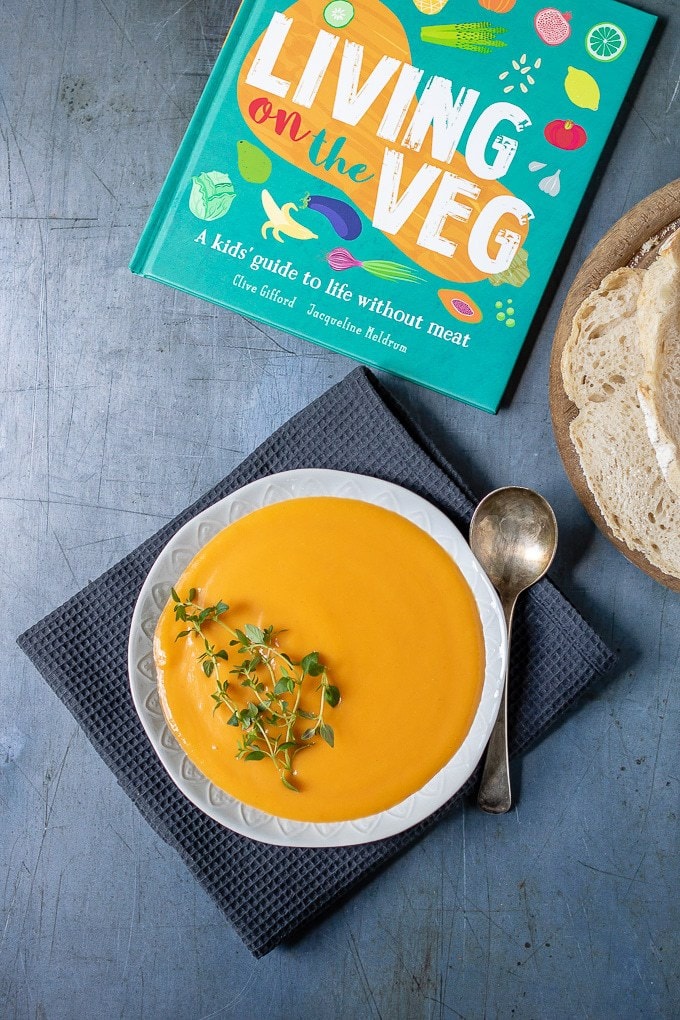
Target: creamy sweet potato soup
392	618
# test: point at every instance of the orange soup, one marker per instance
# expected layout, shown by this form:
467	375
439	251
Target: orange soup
392	618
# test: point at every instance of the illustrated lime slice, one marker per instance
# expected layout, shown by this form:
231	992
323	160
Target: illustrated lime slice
605	41
338	13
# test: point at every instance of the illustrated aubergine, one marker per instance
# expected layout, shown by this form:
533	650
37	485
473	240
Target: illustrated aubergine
344	220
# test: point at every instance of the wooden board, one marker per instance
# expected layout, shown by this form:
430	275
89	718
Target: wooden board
634	240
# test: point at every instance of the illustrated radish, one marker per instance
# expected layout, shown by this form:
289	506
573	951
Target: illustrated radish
552	26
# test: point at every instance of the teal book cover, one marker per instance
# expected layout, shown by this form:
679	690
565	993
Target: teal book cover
395	180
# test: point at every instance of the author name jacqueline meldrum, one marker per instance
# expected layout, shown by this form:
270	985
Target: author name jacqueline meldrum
378	336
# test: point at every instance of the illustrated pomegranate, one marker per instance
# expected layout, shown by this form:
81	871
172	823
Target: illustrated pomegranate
565	134
552	26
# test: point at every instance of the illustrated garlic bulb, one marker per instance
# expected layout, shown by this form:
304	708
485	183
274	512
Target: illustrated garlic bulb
551	185
430	6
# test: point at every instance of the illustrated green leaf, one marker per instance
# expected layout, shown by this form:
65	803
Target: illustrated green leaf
212	193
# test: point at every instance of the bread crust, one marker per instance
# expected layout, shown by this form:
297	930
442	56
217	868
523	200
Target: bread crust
602	364
658	321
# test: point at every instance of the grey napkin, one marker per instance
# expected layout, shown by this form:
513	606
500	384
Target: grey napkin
355	426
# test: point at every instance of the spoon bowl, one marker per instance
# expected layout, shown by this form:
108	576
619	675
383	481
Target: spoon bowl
513	534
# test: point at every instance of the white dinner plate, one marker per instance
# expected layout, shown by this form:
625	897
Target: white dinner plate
155	593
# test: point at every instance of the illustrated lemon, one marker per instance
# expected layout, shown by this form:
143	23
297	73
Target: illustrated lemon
605	41
582	89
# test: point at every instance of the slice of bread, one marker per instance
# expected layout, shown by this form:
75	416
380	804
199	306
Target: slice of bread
599	356
601	365
658	323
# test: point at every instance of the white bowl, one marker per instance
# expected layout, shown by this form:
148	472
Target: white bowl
155	593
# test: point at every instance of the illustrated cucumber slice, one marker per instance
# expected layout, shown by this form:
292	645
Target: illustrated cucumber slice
338	13
605	41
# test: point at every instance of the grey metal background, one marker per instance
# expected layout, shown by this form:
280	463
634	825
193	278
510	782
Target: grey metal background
120	402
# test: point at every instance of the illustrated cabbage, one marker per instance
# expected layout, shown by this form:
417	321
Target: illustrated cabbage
211	195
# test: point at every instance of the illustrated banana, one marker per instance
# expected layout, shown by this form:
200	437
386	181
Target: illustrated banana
281	222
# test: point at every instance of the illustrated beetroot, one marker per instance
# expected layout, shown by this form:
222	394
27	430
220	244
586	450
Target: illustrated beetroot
552	26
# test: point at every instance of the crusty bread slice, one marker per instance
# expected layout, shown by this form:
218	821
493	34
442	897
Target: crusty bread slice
658	322
601	364
599	347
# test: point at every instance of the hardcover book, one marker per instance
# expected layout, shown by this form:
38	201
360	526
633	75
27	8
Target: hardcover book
395	180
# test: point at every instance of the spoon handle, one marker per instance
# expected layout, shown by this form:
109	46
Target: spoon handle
494	793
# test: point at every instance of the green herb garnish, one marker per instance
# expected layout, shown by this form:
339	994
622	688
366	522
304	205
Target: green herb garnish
273	725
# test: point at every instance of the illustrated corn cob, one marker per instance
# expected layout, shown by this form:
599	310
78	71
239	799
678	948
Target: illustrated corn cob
430	6
476	36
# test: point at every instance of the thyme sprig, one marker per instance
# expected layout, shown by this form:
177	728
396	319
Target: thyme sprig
271	723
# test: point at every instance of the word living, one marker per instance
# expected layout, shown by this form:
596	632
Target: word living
436	109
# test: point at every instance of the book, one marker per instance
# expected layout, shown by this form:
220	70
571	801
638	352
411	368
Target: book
395	180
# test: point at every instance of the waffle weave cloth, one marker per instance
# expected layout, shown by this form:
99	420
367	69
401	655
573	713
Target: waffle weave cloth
269	892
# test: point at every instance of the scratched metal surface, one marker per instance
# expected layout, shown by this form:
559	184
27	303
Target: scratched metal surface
122	401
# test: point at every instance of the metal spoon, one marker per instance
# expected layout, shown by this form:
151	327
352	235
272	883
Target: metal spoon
513	534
